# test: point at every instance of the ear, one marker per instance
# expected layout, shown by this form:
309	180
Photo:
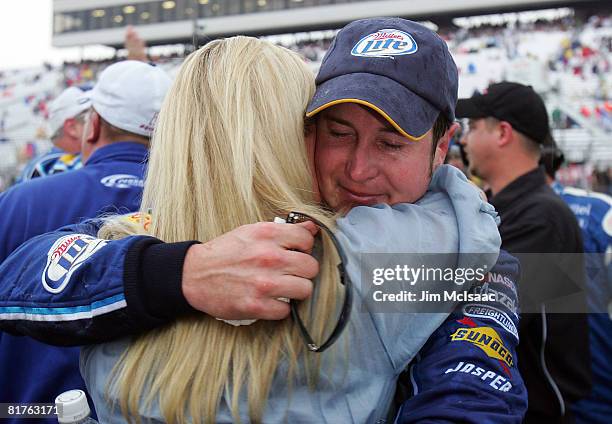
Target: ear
442	147
92	133
505	134
70	128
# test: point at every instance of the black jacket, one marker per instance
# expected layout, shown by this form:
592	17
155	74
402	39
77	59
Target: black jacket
553	354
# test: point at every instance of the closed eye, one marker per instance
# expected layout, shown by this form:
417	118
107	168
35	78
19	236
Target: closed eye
392	146
339	134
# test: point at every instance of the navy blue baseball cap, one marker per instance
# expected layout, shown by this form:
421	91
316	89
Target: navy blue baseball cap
397	67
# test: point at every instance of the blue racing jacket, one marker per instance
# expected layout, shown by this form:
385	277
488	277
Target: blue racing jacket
467	371
102	290
111	182
594	214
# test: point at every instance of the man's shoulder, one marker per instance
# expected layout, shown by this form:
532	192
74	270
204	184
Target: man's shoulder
545	205
45	189
597	203
541	218
102	176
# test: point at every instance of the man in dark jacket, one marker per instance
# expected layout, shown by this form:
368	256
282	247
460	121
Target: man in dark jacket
507	127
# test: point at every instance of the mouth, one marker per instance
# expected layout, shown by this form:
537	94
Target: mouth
360	197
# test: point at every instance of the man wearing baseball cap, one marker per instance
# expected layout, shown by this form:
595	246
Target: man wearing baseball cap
121	114
508	125
65	127
383	112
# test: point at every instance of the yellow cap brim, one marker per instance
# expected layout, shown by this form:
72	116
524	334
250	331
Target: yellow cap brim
371	106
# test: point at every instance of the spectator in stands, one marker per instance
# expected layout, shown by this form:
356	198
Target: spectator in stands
117	125
135	45
593	211
66	122
507	126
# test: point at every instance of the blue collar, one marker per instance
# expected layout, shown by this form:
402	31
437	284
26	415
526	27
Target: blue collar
124	151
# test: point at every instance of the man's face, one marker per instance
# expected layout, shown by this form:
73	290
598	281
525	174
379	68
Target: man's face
362	160
479	143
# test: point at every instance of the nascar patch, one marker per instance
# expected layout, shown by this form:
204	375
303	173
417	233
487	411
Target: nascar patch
66	256
489	312
493	277
488	340
385	43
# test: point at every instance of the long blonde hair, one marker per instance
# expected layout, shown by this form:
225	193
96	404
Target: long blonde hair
228	150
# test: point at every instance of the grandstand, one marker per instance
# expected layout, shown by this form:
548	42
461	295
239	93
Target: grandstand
565	53
174	21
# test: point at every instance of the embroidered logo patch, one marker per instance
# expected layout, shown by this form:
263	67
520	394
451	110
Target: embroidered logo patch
66	256
493	314
122	181
486	339
385	43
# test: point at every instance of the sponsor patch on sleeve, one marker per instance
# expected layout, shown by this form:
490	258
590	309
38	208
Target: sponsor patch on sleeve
488	340
475	310
493	379
500	297
66	256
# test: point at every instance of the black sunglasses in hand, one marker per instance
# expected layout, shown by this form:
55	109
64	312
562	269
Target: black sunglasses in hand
296	218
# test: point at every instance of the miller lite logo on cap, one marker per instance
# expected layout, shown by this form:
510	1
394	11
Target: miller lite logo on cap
66	256
385	43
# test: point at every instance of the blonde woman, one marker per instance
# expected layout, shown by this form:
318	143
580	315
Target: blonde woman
229	150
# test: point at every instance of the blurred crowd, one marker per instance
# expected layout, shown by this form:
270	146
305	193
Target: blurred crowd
578	67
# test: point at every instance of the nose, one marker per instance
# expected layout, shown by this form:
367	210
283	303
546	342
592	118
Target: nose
360	166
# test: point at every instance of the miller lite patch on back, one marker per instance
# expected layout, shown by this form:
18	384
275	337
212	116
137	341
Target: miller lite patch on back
66	256
385	43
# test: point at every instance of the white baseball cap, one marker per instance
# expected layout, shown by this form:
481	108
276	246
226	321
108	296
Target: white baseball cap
129	95
67	105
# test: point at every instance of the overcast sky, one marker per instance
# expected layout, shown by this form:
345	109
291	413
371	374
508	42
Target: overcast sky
25	35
